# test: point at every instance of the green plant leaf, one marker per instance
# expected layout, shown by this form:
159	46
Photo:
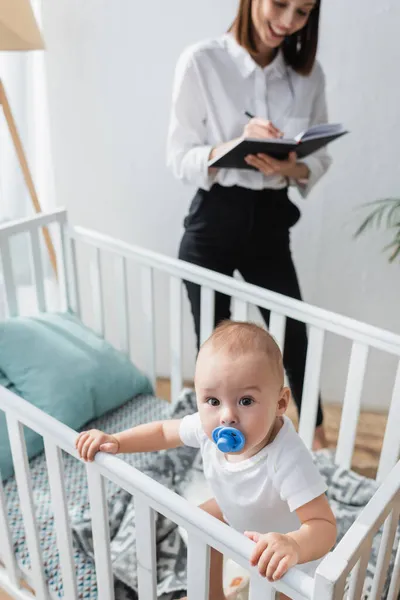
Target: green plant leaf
386	210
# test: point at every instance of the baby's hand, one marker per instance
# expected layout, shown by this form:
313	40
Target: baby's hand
88	443
274	553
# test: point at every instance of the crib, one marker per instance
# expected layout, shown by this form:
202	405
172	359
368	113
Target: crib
347	562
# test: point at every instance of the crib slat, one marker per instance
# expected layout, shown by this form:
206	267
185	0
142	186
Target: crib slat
147	287
206	313
358	575
351	405
96	280
394	588
22	476
309	403
145	522
75	278
11	290
240	310
101	533
62	269
391	442
55	471
121	280
37	266
277	326
176	329
385	551
7	551
198	569
260	589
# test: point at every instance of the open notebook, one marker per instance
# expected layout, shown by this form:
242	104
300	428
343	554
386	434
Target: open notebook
303	144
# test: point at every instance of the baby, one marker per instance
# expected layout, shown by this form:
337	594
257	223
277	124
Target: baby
270	489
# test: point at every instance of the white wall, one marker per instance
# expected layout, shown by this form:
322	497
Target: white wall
110	68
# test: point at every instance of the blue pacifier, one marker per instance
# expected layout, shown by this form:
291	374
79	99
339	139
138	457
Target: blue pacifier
228	439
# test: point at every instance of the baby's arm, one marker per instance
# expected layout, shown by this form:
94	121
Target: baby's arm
276	553
159	435
317	534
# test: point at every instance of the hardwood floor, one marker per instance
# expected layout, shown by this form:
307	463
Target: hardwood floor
368	444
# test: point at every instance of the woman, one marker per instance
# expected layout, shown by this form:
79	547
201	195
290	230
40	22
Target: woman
241	218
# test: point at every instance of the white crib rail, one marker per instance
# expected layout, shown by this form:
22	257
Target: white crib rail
32	226
149	496
281	308
202	529
294	309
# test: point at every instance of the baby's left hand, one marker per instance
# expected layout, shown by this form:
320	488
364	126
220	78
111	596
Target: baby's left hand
274	553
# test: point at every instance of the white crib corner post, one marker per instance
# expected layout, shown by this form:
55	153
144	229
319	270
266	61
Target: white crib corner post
330	578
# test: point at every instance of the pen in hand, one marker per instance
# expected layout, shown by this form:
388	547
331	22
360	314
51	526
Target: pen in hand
276	133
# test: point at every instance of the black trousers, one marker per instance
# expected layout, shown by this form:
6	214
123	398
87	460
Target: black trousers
233	228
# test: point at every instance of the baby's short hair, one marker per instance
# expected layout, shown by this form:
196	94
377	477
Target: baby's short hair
240	337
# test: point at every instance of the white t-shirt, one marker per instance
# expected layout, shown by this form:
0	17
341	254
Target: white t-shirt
260	493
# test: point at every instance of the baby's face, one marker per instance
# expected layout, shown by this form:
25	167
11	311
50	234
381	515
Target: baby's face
242	392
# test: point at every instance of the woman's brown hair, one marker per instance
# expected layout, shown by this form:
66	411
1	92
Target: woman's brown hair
298	49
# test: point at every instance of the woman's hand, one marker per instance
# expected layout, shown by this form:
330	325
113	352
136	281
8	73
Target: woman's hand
261	128
88	443
271	166
255	128
275	553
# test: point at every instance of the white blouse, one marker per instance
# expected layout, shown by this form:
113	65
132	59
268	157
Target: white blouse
216	81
